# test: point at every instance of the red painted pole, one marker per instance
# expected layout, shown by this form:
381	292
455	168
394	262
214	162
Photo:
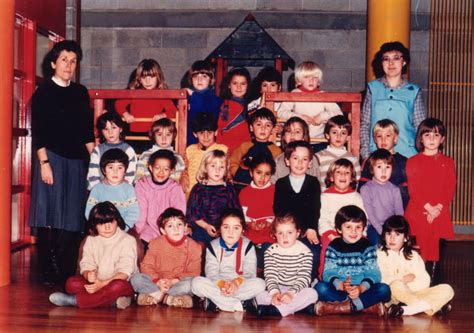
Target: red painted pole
7	15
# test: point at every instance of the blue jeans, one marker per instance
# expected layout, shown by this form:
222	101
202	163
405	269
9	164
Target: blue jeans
378	292
373	235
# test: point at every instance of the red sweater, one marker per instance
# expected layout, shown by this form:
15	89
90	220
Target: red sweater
145	108
165	260
258	205
237	134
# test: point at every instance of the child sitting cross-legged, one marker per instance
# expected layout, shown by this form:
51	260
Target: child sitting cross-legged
170	263
114	188
163	133
156	193
230	282
109	259
404	270
288	266
261	124
351	280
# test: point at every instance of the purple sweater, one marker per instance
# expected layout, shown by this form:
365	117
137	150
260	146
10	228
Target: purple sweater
153	199
380	202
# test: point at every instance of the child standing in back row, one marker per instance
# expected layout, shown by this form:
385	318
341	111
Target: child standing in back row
308	77
202	97
428	209
110	127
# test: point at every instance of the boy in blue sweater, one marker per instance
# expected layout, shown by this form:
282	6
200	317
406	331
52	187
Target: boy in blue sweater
351	278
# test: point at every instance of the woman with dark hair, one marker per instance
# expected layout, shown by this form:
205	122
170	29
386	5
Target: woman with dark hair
63	137
392	97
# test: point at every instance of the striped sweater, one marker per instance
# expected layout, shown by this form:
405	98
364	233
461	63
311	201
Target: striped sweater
94	175
288	267
328	156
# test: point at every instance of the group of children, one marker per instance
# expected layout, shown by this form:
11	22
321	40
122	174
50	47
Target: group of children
326	236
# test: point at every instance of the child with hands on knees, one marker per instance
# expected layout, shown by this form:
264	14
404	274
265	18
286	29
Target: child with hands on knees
337	131
109	259
230	282
110	127
288	266
308	77
149	76
404	271
299	194
170	263
232	122
386	134
204	127
351	280
163	133
156	193
431	185
382	199
114	188
261	124
202	97
210	196
295	129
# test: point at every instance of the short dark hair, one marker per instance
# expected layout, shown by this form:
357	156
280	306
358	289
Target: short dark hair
168	214
338	121
201	67
203	121
109	116
262	113
262	159
165	154
53	55
236	71
291	148
104	212
426	126
287	217
349	213
380	155
231	212
388	47
114	155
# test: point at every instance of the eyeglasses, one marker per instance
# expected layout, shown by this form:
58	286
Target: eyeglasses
395	58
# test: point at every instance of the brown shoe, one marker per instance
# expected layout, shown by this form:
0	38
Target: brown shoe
376	309
327	308
183	301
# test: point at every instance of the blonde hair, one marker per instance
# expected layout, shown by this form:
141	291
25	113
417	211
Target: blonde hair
148	67
202	176
386	123
308	68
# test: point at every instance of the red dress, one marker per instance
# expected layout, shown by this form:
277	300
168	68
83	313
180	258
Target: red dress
145	108
258	205
431	179
232	125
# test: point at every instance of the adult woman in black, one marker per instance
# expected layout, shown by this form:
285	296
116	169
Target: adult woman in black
63	137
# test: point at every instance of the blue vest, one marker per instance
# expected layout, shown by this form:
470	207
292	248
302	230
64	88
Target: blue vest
396	105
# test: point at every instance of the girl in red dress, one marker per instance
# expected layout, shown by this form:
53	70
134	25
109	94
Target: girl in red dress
431	185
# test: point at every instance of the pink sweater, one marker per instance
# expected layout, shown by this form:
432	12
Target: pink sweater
153	199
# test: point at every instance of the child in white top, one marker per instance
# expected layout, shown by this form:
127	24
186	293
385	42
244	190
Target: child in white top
404	270
109	259
231	281
308	77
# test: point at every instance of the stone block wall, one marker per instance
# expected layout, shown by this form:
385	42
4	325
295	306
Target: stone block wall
117	34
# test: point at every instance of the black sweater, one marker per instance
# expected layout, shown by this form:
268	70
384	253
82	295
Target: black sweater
62	120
